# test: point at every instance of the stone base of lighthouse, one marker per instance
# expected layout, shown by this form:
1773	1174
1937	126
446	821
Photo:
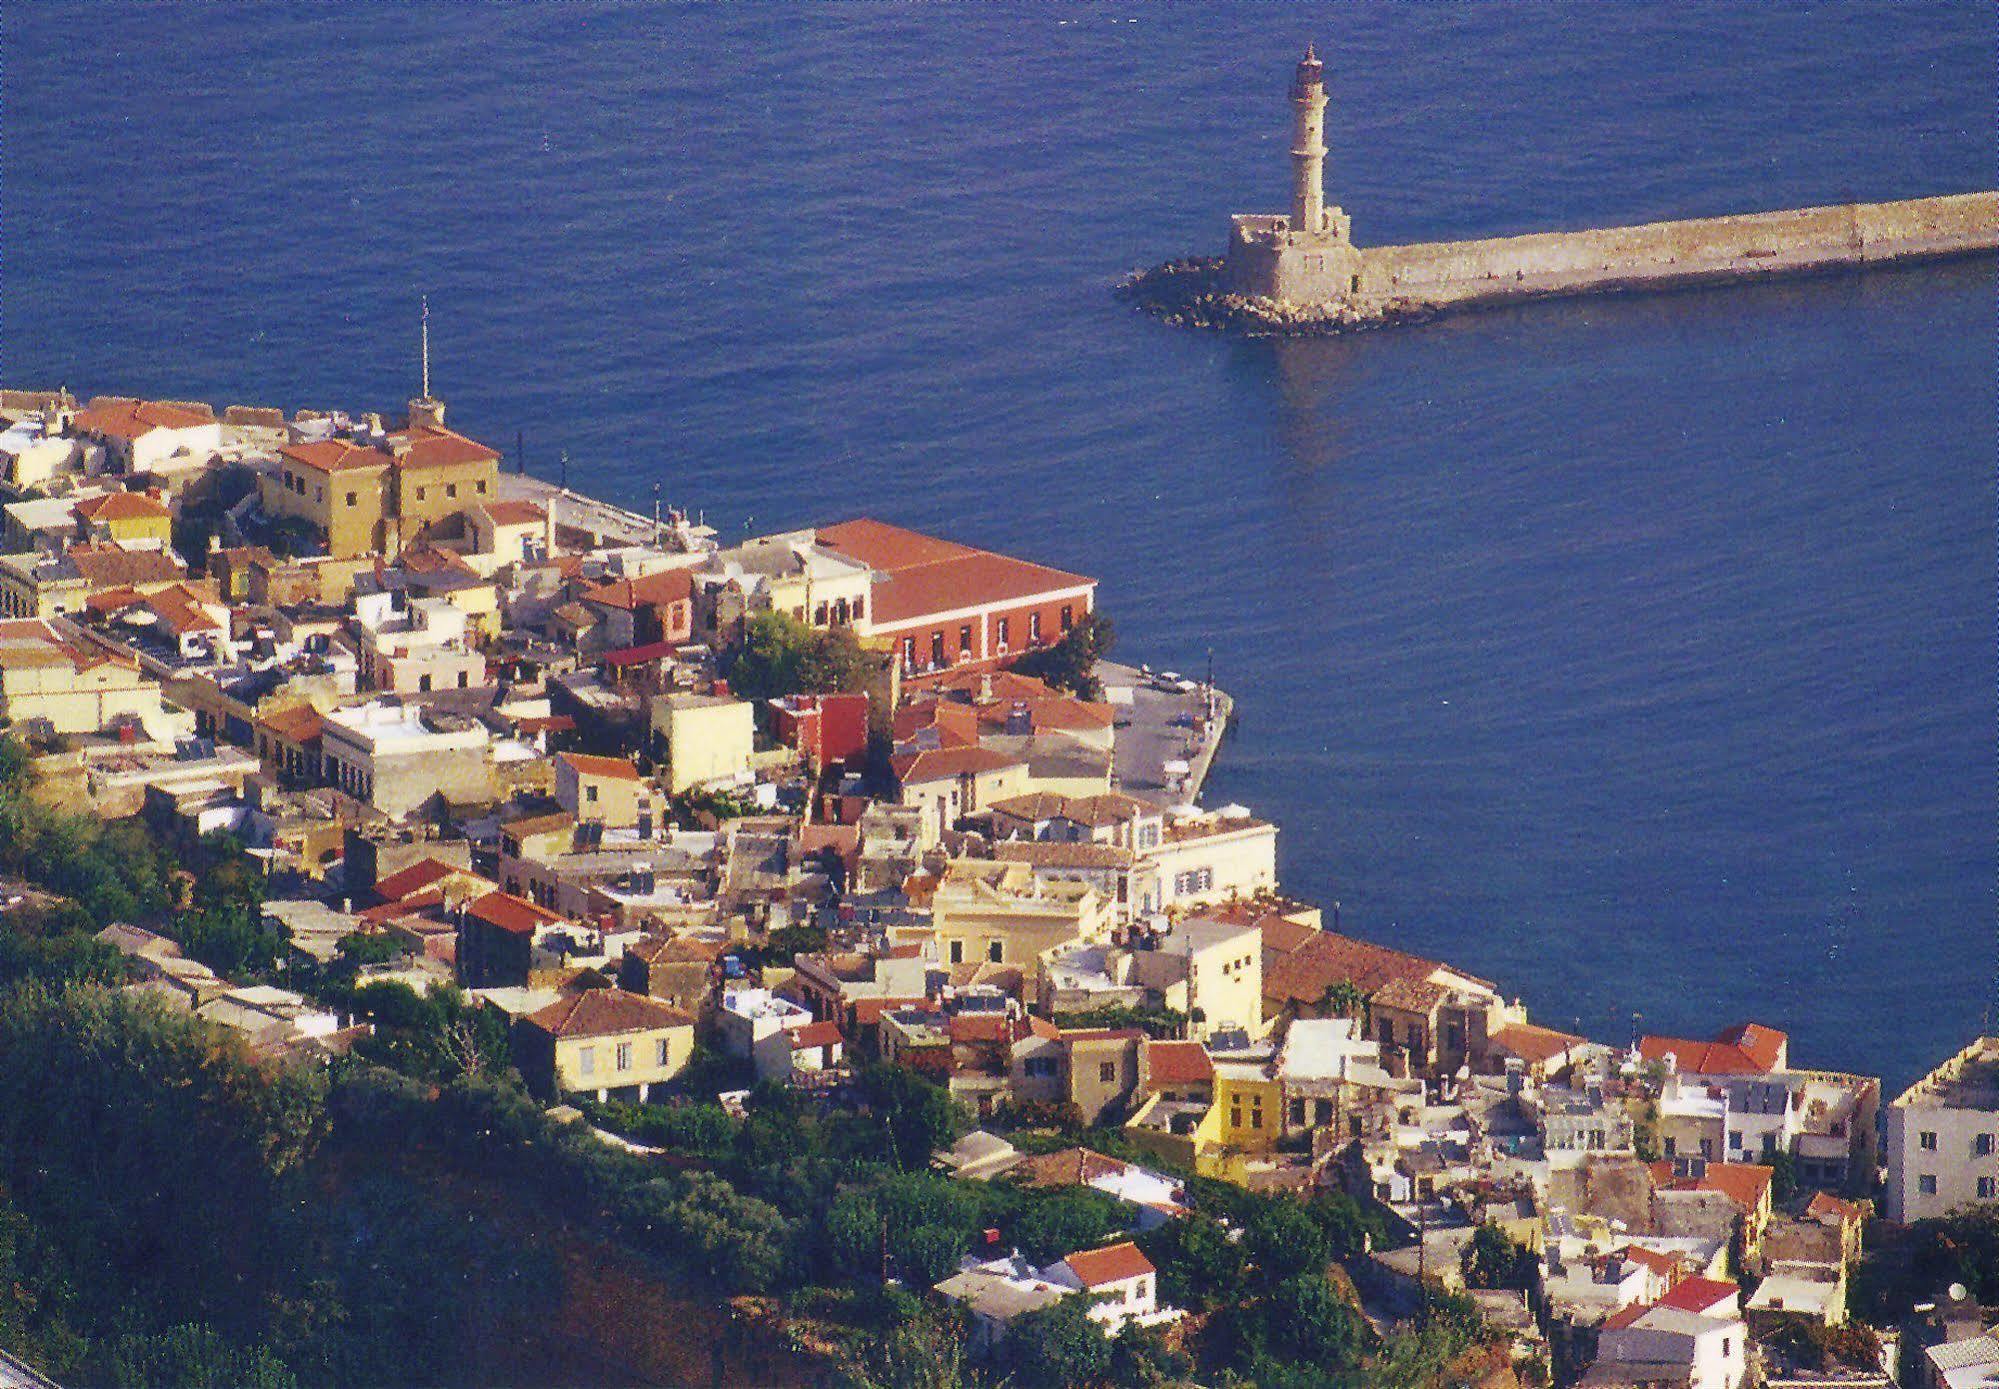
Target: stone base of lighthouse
1268	259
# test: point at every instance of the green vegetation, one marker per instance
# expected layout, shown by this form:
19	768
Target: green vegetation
1166	1024
778	655
177	1211
1493	1259
1071	663
1925	1259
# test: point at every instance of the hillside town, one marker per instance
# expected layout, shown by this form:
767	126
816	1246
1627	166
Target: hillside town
696	822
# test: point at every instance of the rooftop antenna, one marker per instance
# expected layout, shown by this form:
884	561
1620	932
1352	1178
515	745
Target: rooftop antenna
425	301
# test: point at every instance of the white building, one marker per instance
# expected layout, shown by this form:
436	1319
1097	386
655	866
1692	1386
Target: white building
1942	1137
396	756
756	1025
1667	1345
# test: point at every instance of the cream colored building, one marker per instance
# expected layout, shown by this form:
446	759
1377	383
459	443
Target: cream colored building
790	573
603	1042
1942	1137
75	684
607	790
999	913
704	738
1203	859
396	756
944	784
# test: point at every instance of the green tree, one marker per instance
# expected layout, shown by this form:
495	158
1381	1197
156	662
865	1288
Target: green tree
1199	1265
1492	1259
1058	1346
1345	1223
1284	1242
924	1351
920	1117
190	1357
778	655
1065	1220
1071	663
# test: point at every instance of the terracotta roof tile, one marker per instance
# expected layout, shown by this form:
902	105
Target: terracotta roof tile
940	763
653	590
430	447
925	575
1698	1294
123	506
1747	1049
606	1013
122	417
1112	1264
510	913
425	872
1178	1063
300	723
1327	959
587	764
335	456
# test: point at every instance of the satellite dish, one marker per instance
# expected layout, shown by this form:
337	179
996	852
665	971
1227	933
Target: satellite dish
1958	1292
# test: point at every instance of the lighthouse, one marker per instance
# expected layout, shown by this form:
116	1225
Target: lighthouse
1308	144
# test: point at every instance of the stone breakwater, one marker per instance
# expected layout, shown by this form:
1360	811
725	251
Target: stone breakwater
1400	283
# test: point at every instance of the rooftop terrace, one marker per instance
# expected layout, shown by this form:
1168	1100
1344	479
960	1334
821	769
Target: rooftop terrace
1969	1080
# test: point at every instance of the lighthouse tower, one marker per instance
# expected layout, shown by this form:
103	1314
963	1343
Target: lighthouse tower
1308	145
1307	256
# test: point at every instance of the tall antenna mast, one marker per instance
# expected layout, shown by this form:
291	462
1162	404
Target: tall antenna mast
426	346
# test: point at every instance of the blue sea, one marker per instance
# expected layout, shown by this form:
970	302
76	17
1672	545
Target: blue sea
1637	654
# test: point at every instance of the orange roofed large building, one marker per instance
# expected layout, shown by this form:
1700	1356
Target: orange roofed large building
1743	1050
374	498
943	606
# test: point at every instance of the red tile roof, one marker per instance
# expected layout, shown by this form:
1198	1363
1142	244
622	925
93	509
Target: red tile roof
1624	1316
653	590
941	763
1533	1044
123	506
431	447
1698	1294
122	417
1178	1063
1744	1183
1746	1049
514	513
299	724
511	913
1647	1258
106	566
335	456
816	1034
1112	1264
587	764
1825	1203
425	872
1304	975
926	576
606	1013
1282	935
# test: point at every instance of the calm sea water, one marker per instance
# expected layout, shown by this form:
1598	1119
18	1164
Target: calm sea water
1637	654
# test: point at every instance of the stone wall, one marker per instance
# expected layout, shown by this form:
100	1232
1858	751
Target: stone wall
1439	274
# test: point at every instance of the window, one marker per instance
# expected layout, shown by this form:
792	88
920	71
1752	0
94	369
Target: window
664	1055
1034	626
1926	1184
353	499
1107	1072
993	951
820	614
1988	1187
482	487
965	638
909	651
1982	1145
1769	1145
589	794
450	489
586	1061
624	1056
420	492
957	952
1039	1066
1672	1146
1003	632
1735	1138
936	648
1068	617
423	683
859	609
464	679
1927	1140
1298	1114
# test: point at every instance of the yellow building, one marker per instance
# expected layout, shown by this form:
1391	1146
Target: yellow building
704	738
130	518
342	490
614	1044
77	686
366	498
1250	1101
1000	913
608	790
